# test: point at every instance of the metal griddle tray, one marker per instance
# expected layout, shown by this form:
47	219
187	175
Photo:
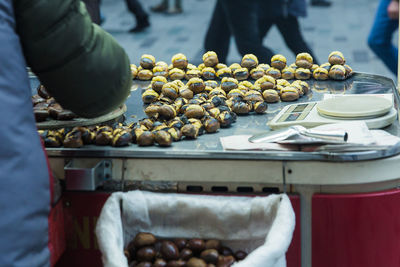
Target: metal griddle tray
208	146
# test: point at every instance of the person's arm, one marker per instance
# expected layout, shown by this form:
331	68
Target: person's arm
81	65
393	9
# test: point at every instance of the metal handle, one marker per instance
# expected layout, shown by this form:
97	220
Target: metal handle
86	177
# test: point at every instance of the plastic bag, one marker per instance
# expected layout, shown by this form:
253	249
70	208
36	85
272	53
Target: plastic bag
261	226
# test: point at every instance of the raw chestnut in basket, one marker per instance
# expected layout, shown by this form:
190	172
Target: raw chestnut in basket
144	239
169	250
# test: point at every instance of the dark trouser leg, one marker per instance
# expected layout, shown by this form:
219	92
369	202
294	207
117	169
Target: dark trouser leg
136	8
93	8
218	34
290	29
264	25
243	22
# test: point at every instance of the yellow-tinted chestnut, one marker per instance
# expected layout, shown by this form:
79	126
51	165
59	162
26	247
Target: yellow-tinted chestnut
210	59
249	61
208	73
336	58
149	96
134	71
274	72
278	62
337	72
241	74
145	74
228	84
302	74
266	82
179	61
257	73
321	74
289	94
147	61
271	96
224	72
304	60
176	74
196	85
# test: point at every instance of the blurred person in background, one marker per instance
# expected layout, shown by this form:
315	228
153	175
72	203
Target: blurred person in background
380	38
167	7
284	14
85	70
142	18
321	3
134	6
239	19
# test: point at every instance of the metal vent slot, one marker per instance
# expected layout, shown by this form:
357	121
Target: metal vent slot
245	189
219	189
194	188
270	190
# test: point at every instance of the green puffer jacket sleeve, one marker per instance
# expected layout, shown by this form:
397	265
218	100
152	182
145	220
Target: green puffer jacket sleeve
81	65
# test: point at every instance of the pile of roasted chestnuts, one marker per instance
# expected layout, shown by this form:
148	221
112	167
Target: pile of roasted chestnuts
249	67
145	250
45	107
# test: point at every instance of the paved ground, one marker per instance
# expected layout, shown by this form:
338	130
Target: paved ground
344	26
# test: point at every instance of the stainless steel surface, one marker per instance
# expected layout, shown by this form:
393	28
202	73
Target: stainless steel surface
208	146
79	176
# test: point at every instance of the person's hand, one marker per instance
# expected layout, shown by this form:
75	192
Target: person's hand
393	9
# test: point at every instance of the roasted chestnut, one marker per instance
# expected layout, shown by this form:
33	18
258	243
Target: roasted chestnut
73	139
210	59
320	74
228	84
337	72
271	96
266	82
336	58
249	61
208	73
167	112
179	61
145	75
123	138
194	111
176	74
190	131
241	108
160	71
304	60
192	74
288	73
196	262
196	85
257	73
169	250
157	83
170	91
146	138
241	74
274	72
302	74
149	96
278	62
253	95
260	107
163	138
134	71
326	66
224	72
289	94
147	61
234	67
211	125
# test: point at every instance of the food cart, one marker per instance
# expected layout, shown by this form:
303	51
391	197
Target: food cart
345	203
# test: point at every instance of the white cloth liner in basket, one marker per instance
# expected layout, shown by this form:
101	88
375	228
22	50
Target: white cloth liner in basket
261	226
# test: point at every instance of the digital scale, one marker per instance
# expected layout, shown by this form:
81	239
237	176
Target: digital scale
376	110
